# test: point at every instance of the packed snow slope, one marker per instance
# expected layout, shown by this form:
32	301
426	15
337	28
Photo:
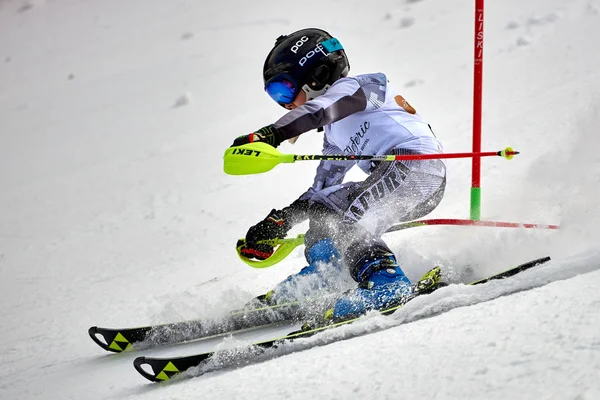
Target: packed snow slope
114	209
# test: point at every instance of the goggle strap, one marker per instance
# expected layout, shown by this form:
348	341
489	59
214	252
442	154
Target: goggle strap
332	45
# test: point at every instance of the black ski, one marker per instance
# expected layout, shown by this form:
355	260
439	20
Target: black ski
129	339
165	368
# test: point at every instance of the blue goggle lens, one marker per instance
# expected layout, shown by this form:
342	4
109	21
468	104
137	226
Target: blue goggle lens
283	91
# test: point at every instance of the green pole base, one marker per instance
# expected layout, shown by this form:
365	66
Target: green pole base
475	203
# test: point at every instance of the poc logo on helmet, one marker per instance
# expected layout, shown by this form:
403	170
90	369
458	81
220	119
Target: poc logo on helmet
318	49
299	44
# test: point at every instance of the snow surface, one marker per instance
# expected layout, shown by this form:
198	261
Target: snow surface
114	209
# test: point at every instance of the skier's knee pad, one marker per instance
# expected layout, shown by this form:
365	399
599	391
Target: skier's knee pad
314	276
323	251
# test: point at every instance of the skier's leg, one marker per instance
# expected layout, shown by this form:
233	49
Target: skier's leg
321	275
343	219
368	259
393	192
373	265
324	270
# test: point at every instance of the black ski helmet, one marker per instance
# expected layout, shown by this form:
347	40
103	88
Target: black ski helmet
311	58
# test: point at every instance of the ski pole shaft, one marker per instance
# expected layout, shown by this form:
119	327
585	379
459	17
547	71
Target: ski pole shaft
259	157
507	153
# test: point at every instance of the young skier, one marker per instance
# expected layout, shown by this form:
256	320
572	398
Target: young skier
307	73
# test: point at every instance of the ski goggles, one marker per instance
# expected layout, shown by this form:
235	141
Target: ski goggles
282	88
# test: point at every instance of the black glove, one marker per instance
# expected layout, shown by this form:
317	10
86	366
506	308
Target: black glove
269	134
272	227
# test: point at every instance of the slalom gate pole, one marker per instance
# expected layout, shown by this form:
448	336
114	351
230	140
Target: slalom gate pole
477	99
468	222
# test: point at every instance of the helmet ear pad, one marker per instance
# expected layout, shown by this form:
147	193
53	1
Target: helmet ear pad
311	94
319	84
320	77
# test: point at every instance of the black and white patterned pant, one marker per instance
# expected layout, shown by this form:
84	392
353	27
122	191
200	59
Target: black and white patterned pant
356	214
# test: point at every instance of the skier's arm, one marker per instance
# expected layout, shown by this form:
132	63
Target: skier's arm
278	223
345	97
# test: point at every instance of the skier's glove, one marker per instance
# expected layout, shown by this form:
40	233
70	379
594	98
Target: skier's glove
269	134
272	227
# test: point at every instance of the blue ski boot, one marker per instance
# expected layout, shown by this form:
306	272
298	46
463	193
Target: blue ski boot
384	284
321	275
386	290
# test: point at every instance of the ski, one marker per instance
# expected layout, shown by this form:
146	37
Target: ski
131	339
163	369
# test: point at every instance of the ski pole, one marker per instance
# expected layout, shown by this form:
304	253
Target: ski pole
259	157
285	246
